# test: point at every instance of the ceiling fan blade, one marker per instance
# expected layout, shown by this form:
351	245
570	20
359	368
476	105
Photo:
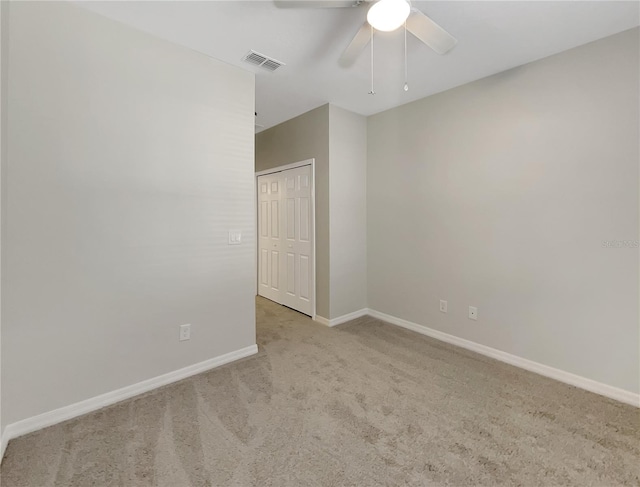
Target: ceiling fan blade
430	33
358	43
315	3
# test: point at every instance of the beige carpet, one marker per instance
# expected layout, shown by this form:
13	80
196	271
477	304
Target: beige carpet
363	404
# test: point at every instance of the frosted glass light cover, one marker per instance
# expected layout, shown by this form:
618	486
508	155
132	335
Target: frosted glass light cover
388	15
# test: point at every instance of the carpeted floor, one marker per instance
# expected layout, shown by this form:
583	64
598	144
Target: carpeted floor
363	404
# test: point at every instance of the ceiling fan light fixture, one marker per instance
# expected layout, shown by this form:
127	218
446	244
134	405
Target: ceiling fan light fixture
388	15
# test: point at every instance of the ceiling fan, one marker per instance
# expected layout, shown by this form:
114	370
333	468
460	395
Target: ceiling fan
386	16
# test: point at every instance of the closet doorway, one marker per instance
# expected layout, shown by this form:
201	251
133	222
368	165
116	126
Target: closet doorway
286	236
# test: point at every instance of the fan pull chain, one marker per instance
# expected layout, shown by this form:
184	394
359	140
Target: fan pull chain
372	92
406	76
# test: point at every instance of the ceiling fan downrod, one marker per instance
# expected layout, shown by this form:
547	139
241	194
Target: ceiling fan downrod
406	80
372	92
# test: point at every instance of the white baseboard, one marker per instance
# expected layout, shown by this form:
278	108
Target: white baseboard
322	320
3	444
557	374
342	319
51	418
29	425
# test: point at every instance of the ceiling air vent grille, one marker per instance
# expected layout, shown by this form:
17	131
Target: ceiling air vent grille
257	59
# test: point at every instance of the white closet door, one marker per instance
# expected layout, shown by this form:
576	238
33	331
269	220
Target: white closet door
285	228
297	239
269	239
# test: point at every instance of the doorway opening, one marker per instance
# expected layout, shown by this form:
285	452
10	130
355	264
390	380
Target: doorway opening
286	236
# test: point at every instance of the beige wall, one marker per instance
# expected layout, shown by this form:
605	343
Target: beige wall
348	201
500	193
301	138
129	160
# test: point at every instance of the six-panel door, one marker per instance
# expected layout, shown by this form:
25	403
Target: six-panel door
269	258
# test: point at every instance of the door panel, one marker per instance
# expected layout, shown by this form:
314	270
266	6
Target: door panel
305	217
264	267
291	270
275	270
291	218
264	219
269	237
305	273
275	219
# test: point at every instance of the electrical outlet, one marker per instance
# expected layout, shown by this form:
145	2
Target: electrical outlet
473	313
185	332
443	306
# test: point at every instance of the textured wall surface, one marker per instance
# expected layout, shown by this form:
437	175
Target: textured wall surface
129	160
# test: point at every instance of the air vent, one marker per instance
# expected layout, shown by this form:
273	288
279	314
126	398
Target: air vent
271	65
262	61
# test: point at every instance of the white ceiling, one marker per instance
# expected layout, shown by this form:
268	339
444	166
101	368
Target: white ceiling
493	37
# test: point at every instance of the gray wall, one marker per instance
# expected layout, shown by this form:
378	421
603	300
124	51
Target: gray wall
348	195
129	159
4	36
500	193
298	139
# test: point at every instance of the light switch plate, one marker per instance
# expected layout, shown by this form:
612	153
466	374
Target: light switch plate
235	237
